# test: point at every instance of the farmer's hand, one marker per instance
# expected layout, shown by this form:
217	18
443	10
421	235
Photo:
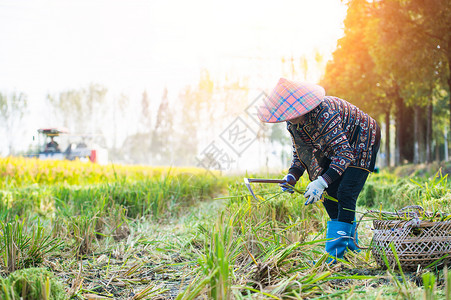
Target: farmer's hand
314	190
291	180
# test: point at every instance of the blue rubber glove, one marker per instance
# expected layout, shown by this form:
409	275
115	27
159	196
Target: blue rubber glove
291	180
315	190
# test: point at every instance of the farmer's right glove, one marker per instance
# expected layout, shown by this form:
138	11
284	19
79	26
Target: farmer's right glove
291	180
314	190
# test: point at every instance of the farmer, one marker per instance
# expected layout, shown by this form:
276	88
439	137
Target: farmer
52	146
336	143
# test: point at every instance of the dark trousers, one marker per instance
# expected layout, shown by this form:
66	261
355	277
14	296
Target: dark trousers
346	190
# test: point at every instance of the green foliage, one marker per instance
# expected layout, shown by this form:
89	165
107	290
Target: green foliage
447	276
351	74
222	248
82	229
264	241
429	282
32	284
394	60
24	244
368	195
388	192
154	196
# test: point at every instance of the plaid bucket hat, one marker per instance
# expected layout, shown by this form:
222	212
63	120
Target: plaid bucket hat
289	100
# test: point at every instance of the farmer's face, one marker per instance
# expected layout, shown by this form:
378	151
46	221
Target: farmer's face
298	120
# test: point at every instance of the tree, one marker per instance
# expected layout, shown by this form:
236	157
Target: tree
81	110
119	115
352	75
145	118
12	111
406	47
396	53
162	134
431	23
95	101
145	128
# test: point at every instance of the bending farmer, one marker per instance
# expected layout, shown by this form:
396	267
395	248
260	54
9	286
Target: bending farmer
335	142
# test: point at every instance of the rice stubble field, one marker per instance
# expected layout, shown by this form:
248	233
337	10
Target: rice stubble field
73	230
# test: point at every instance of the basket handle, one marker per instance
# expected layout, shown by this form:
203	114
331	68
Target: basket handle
355	231
419	210
414	222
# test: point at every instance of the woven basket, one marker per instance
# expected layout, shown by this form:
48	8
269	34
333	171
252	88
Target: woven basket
417	243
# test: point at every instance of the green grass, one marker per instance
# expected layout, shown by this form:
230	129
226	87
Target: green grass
32	283
155	197
393	193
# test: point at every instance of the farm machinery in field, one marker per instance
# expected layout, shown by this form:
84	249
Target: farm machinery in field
59	144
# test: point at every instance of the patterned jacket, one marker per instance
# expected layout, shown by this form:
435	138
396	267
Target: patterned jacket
334	135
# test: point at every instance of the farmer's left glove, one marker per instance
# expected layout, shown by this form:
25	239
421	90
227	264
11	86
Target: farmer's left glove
315	190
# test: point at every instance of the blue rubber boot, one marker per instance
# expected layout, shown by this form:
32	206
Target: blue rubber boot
338	235
352	245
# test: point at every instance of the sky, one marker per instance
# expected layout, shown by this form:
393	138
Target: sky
53	45
48	46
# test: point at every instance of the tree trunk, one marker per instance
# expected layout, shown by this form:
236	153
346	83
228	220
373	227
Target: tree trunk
387	137
437	151
422	134
416	152
449	96
407	134
404	132
398	122
449	81
445	146
429	132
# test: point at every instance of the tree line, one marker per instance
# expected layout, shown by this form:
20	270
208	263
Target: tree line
394	62
151	128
